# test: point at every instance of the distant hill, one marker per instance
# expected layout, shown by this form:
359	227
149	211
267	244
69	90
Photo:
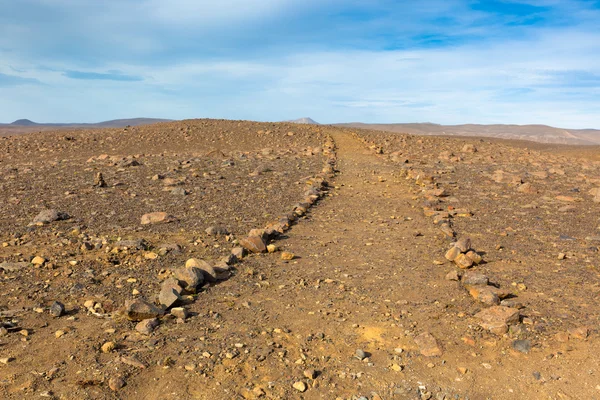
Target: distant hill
305	120
535	133
115	123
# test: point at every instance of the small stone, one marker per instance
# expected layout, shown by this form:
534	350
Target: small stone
452	276
463	244
562	256
147	326
57	309
287	256
169	293
474	278
463	262
272	248
116	382
496	319
208	271
157	218
254	244
428	345
108	347
59	334
48	216
99	180
475	257
360	354
6	360
396	367
217	230
300	386
523	346
139	310
452	254
179	312
579	333
38	260
310	373
190	277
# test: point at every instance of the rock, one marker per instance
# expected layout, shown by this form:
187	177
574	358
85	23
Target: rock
579	333
524	346
37	260
474	257
428	345
208	271
463	244
474	278
48	216
496	319
217	230
452	254
13	267
139	310
300	386
179	191
287	256
463	262
57	309
190	277
147	326
272	248
360	354
310	373
254	244
116	382
469	148
452	276
485	295
136	244
99	180
527	188
179	312
238	252
157	218
108	347
170	292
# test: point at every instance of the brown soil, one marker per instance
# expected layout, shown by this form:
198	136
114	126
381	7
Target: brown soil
369	271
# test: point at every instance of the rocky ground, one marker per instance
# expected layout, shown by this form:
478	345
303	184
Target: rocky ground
223	259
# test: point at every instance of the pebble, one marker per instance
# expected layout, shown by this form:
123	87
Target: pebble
287	256
57	309
108	347
523	346
310	373
147	326
428	345
116	382
360	354
300	386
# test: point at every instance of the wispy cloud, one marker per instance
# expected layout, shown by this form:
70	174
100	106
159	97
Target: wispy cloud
109	76
14	80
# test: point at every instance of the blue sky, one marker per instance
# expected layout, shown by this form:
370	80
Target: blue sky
443	61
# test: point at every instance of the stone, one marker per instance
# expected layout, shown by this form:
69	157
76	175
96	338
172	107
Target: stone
217	230
428	345
254	244
208	272
463	262
310	373
474	257
48	216
469	148
57	309
452	254
287	256
139	310
272	248
147	326
474	278
190	277
157	218
300	386
463	244
497	319
99	180
179	191
170	292
116	382
527	188
452	276
579	332
37	260
134	244
108	347
238	252
179	312
360	354
13	267
523	346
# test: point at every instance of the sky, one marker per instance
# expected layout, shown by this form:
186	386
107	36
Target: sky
376	61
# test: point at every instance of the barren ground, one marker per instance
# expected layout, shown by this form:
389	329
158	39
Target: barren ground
369	271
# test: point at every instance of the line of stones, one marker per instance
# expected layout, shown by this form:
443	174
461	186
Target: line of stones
196	272
502	311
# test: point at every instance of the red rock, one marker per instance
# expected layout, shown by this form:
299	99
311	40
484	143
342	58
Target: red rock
496	319
254	244
428	345
157	218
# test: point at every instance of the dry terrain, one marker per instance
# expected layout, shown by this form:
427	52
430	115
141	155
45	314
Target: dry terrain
134	265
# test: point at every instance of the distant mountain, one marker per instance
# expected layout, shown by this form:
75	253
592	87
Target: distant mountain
306	120
115	123
535	133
